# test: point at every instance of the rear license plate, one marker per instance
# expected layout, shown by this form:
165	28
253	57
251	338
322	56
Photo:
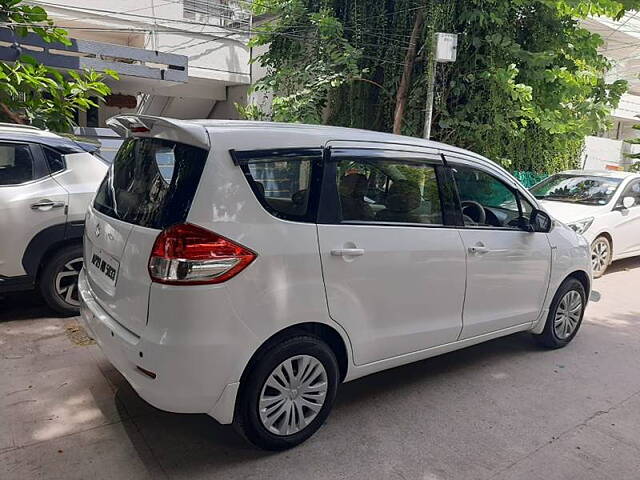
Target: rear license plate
104	266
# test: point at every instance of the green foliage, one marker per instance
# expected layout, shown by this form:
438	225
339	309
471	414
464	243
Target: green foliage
329	62
39	95
527	87
635	167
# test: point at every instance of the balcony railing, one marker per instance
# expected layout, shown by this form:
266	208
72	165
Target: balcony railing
85	54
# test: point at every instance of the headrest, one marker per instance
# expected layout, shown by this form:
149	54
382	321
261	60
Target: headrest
354	185
403	196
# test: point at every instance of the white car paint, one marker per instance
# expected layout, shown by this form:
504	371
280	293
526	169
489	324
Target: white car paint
404	300
622	225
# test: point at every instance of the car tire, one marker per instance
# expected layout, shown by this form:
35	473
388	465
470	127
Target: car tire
275	424
564	319
600	256
58	282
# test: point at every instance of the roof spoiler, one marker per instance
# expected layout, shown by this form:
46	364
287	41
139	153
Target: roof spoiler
181	131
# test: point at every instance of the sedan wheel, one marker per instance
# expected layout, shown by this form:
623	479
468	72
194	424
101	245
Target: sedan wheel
600	256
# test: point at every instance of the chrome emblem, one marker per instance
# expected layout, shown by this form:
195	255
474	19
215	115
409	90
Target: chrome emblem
98	231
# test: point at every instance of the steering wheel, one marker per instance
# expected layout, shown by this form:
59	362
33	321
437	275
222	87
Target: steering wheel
475	211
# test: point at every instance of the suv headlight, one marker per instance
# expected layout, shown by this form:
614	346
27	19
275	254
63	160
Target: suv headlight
581	226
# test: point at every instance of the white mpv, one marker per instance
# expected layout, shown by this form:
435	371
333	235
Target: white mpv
245	269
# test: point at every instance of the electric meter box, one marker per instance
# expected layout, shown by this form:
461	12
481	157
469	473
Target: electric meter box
446	47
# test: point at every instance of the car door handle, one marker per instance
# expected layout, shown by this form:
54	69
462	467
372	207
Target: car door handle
46	204
478	249
347	252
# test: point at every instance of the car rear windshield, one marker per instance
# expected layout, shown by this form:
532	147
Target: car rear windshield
151	183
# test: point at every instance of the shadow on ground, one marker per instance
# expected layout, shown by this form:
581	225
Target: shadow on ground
26	305
623	265
195	443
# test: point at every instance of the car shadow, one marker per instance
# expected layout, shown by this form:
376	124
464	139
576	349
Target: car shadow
197	443
27	305
623	265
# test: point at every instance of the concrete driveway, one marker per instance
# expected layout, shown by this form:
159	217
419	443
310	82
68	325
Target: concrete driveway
504	410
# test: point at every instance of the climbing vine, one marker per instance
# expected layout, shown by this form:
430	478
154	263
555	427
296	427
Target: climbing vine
527	87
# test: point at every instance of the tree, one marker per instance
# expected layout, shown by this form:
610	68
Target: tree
32	93
527	87
635	167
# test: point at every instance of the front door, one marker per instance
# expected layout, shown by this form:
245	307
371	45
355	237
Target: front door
394	274
30	201
626	233
508	268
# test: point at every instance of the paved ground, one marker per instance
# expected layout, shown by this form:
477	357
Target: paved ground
504	410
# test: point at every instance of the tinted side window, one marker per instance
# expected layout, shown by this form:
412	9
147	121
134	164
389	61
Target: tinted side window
485	200
282	181
151	183
388	191
16	164
55	160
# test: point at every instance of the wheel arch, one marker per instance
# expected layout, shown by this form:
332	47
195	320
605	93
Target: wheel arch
48	241
583	278
323	331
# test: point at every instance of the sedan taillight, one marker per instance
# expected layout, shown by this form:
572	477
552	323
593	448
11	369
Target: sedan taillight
186	254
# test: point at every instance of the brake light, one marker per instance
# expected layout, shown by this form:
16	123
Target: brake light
185	254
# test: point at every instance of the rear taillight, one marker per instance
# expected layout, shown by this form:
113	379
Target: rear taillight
189	255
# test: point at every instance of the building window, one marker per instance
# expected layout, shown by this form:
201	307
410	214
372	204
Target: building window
203	10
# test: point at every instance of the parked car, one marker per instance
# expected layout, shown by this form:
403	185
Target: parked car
46	183
245	269
604	206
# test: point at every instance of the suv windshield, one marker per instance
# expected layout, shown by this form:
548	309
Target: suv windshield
151	183
584	189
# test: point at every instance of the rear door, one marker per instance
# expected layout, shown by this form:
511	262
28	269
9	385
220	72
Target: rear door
394	272
30	202
508	268
149	187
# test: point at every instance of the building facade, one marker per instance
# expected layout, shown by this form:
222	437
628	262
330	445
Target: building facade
147	40
608	150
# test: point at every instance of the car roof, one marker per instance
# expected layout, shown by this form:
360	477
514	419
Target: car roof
10	132
269	135
601	173
330	133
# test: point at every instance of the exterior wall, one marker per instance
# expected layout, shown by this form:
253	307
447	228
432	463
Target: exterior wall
602	153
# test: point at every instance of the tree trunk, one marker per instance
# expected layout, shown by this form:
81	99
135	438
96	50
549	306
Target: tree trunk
405	81
14	117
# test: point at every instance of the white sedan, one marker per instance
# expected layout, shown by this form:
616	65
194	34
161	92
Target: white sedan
604	206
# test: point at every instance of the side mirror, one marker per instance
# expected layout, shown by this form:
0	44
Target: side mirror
541	221
628	202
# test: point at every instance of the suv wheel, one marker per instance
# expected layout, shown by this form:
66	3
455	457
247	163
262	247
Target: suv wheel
58	282
600	256
565	315
288	394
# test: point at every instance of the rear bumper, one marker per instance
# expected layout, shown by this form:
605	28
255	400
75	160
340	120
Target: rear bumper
190	377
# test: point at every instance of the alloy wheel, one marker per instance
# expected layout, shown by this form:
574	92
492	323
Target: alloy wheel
600	253
66	281
568	315
293	395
